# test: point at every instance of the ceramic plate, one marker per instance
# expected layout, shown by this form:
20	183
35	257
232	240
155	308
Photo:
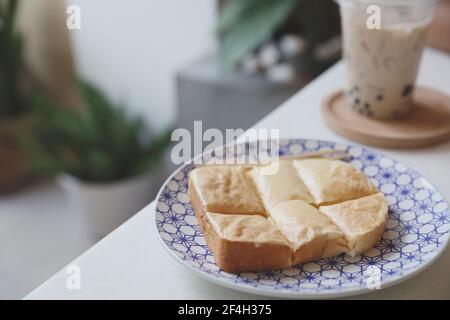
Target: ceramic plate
417	233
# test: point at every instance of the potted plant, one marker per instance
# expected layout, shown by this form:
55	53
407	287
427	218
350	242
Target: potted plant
279	39
14	111
106	160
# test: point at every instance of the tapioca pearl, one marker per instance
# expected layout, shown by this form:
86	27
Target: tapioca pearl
407	90
399	167
357	164
406	204
422	195
380	97
403	179
311	145
359	110
295	149
395	114
386	163
388	188
371	171
440	207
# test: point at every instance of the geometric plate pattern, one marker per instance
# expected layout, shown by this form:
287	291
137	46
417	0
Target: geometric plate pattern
417	232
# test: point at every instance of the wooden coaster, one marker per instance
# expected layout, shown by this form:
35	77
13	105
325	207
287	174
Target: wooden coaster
427	124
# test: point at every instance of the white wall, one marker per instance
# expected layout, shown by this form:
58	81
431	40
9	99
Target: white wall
132	48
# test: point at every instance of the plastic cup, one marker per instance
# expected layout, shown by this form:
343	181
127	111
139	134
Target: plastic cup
383	42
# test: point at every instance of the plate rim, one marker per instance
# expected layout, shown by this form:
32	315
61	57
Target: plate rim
313	294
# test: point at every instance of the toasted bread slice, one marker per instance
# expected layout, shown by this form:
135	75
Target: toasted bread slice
225	189
311	233
333	181
245	242
362	220
278	182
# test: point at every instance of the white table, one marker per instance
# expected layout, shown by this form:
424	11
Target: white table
132	264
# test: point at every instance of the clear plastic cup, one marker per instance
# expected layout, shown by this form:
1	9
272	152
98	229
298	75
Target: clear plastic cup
383	42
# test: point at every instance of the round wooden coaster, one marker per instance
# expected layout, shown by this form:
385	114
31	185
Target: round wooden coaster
427	124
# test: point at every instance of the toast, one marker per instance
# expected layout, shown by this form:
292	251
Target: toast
304	211
363	221
312	234
331	181
245	242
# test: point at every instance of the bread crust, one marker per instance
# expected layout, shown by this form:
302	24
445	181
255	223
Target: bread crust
238	256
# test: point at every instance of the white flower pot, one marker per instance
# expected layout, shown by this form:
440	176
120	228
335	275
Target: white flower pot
105	206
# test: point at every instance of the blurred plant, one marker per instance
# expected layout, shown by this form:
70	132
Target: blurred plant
12	98
245	25
99	143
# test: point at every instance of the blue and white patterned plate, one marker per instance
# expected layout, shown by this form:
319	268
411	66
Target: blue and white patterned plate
417	233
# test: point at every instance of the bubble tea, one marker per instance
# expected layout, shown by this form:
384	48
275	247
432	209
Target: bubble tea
383	42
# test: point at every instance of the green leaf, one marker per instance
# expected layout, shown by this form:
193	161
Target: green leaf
256	26
231	12
98	143
12	97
